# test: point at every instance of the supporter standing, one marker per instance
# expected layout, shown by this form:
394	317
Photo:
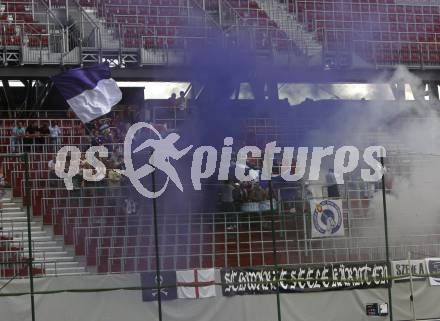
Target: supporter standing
18	133
52	174
227	203
332	186
181	101
114	178
172	100
55	133
44	133
31	134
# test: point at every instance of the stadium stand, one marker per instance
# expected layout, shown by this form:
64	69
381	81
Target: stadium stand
93	220
225	51
378	33
383	32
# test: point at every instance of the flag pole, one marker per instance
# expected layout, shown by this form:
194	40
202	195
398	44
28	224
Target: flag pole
156	245
274	247
387	247
411	288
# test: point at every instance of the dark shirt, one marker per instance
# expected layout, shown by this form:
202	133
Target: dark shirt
31	130
44	131
227	193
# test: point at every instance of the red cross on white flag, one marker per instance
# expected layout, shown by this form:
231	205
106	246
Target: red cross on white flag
200	283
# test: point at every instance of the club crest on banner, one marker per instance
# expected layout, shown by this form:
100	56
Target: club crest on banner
433	267
167	281
327	219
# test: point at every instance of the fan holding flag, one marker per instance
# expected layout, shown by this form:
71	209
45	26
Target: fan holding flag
89	91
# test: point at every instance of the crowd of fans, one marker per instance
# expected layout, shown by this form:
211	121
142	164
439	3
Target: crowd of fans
178	103
33	138
105	131
247	196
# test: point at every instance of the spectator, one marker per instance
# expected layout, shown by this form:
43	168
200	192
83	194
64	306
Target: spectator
32	132
52	174
51	164
227	203
308	195
332	186
117	160
114	178
90	128
78	180
104	127
181	101
55	133
43	133
109	139
261	194
18	133
172	100
97	139
121	127
227	198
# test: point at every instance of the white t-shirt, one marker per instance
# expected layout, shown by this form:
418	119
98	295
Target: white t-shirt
51	165
181	103
54	131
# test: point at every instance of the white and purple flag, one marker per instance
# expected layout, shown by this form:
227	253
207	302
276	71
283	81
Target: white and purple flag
89	91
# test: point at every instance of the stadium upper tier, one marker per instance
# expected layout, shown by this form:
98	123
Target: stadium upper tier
334	33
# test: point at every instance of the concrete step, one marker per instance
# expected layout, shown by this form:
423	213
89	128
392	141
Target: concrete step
59	274
69	271
11	207
13	214
21	219
68	264
8	225
47	249
295	30
36	237
41	259
20	228
51	254
38	243
13	219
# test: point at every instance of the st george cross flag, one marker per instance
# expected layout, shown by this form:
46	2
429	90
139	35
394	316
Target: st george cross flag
89	91
167	280
200	284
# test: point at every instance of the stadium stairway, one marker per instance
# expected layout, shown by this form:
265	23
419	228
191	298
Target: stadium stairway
48	252
109	40
286	21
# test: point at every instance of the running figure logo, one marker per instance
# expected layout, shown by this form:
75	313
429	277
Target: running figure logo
164	150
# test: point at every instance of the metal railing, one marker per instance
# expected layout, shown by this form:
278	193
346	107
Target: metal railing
42	148
39	35
385	53
170	116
